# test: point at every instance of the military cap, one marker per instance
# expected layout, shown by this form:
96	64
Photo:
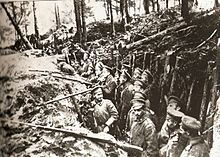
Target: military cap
177	115
173	99
140	82
146	75
96	89
138	97
190	123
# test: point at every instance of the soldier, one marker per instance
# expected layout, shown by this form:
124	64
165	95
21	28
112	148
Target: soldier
105	113
124	82
196	147
173	103
172	122
127	68
108	81
143	132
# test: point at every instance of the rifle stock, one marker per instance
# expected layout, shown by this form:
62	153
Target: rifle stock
95	137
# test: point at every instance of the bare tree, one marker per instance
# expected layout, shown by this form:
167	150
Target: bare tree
185	10
84	32
112	19
146	6
78	20
36	29
17	28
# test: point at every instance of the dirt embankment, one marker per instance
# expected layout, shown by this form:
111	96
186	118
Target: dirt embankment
22	98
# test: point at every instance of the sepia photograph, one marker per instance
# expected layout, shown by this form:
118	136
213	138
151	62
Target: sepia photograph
110	78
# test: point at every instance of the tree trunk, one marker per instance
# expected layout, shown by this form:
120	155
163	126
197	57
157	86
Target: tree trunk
122	6
84	33
158	6
58	17
172	91
146	6
128	18
17	28
204	104
112	19
190	96
185	10
36	29
216	4
78	20
167	4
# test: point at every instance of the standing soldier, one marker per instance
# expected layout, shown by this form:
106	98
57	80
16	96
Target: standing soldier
105	113
108	81
171	124
196	147
143	131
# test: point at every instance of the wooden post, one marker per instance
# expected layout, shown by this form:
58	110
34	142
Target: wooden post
174	75
144	61
204	103
190	95
164	80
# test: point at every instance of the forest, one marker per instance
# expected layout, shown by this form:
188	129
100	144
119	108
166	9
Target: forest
45	91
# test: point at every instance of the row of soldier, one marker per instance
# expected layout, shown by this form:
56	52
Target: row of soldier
121	106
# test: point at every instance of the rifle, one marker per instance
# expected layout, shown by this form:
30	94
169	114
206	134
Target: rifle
69	95
95	137
73	79
44	71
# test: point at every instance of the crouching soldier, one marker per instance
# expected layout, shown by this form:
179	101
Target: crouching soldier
105	113
143	132
196	147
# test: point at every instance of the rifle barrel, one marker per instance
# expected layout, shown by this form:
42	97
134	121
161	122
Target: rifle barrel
69	95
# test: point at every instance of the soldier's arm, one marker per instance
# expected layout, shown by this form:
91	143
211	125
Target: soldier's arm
110	86
113	112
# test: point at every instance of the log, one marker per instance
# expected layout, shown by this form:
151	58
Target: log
149	38
72	79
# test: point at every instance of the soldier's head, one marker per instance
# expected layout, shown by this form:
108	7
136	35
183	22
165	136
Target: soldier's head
137	73
124	77
174	103
139	104
173	118
138	108
190	126
97	94
139	85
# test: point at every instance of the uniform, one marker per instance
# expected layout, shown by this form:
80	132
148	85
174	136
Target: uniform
143	134
103	112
